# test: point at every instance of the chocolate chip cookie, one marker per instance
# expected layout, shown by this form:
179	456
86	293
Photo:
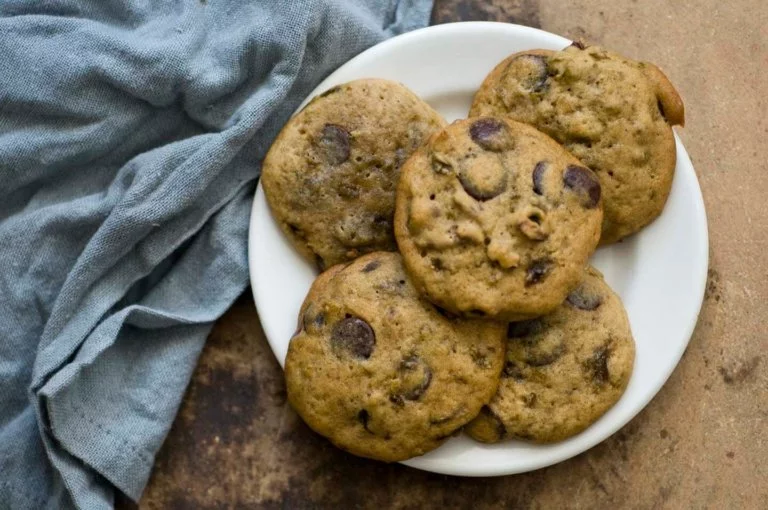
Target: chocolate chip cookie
495	219
562	371
612	113
379	370
330	176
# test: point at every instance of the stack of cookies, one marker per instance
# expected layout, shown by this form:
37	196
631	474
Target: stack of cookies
455	291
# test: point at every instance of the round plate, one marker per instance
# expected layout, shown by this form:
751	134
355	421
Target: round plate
660	273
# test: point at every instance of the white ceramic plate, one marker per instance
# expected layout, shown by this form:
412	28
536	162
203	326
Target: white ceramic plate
660	273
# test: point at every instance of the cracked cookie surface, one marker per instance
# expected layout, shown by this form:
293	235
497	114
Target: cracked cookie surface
382	372
562	371
612	113
330	176
495	219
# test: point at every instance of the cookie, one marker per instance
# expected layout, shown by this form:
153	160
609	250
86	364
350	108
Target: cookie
562	371
381	372
612	113
496	219
330	176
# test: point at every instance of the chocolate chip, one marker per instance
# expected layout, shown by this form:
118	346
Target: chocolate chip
480	192
579	44
311	321
524	328
597	365
531	70
498	426
353	336
490	134
584	299
358	230
542	352
364	417
582	181
537	271
511	369
416	376
334	143
538	177
371	266
540	347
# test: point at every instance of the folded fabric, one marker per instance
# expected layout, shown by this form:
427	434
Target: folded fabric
131	134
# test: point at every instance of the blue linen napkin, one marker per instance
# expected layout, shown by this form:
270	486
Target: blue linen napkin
131	133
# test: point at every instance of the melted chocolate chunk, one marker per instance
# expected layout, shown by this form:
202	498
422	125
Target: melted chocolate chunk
498	425
475	190
371	266
597	365
311	321
490	134
583	299
360	230
534	71
537	271
416	377
583	182
524	328
334	144
539	355
353	336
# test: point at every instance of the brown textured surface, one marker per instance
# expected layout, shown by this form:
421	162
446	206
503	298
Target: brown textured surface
699	444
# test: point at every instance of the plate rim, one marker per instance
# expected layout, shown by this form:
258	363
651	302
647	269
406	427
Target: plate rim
700	226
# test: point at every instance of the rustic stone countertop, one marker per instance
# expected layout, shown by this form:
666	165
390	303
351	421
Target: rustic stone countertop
701	443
